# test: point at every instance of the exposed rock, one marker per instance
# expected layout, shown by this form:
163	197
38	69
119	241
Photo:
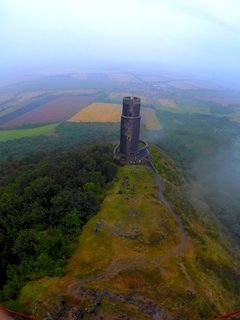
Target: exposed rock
137	235
134	235
134	213
77	314
152	309
98	226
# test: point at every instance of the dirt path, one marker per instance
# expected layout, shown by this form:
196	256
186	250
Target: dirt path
182	245
147	306
161	187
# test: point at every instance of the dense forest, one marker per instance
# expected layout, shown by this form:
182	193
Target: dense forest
45	199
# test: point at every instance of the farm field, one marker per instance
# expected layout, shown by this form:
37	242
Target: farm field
12	102
6	135
19	110
150	119
225	101
194	106
17	101
168	103
4	97
118	96
99	112
111	112
55	110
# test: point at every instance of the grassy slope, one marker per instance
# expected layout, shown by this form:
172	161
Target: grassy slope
6	135
135	253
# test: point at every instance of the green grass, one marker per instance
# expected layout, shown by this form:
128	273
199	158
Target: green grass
32	290
165	166
196	107
13	134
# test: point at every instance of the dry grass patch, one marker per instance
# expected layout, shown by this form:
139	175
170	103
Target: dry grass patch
99	112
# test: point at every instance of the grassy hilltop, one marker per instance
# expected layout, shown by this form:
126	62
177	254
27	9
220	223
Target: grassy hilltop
134	262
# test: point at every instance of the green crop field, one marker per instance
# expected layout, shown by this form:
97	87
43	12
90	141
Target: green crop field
6	135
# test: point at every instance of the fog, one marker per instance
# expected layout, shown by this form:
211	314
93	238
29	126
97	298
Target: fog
198	36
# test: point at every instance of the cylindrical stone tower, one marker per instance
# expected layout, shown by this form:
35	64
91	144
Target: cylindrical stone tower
130	125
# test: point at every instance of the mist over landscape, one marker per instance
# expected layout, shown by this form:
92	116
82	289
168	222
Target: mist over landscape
191	37
154	241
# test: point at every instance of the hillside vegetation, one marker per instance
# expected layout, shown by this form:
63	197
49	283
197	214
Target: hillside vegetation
44	203
133	260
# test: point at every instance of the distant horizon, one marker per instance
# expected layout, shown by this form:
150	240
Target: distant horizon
195	37
223	80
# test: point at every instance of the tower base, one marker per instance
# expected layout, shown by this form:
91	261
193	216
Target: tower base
142	156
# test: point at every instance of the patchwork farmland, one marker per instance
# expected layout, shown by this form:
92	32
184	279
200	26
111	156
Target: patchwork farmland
55	110
111	112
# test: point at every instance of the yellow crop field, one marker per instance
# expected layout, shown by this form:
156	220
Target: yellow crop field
168	103
150	119
111	112
99	112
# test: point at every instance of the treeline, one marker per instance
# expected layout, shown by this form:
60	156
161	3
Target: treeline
67	134
44	202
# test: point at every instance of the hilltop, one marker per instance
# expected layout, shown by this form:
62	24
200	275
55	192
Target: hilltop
144	255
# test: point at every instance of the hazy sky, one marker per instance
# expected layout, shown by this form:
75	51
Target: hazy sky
180	33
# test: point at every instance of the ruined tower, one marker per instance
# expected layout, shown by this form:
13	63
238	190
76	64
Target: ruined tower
130	125
131	150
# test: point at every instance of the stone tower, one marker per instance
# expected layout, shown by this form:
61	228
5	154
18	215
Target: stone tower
130	125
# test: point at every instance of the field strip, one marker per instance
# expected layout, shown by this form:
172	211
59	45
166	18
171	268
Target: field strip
150	119
6	135
99	112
